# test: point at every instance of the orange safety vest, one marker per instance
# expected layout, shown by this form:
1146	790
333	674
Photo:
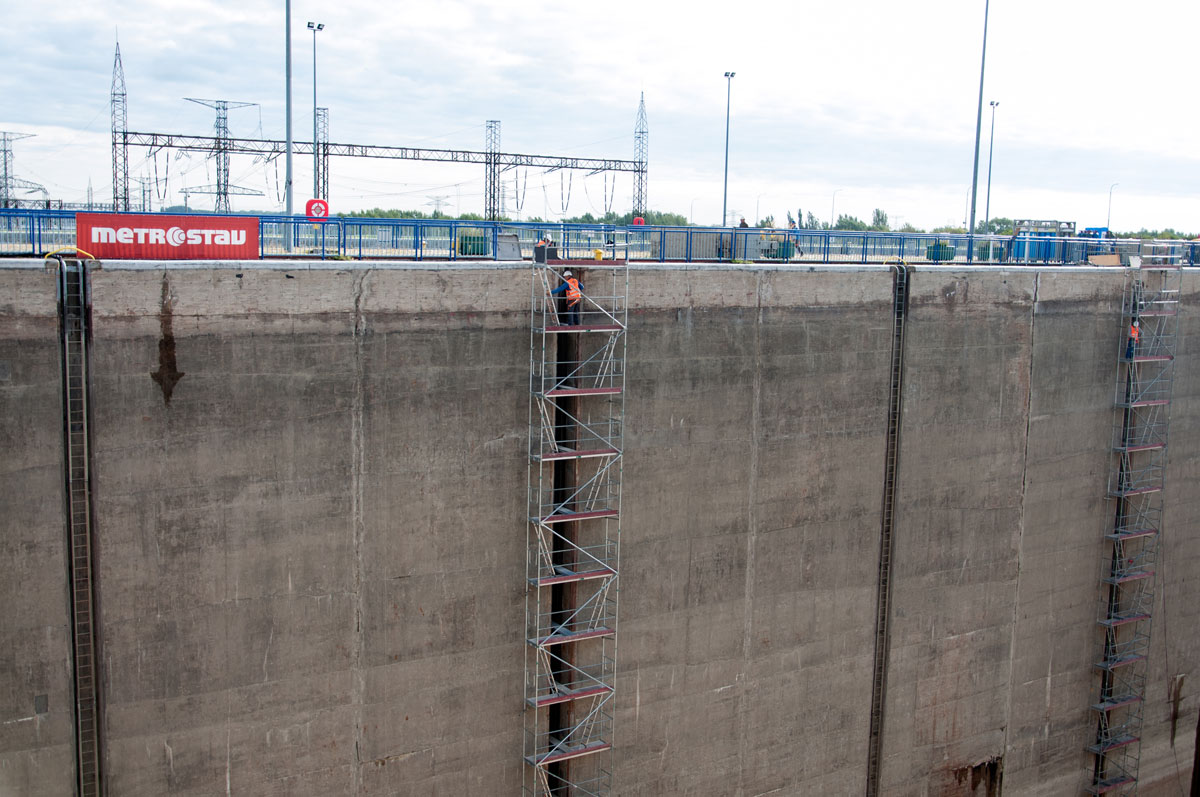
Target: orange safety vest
573	294
1134	332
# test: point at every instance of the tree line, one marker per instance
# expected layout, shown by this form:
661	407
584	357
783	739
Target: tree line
999	225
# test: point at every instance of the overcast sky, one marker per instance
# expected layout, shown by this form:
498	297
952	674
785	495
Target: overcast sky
873	100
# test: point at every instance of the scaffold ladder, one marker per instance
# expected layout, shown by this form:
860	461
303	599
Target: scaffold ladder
1145	373
576	420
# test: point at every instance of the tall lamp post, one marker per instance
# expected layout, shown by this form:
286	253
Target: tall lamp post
287	42
1108	221
315	27
987	208
832	206
725	194
978	130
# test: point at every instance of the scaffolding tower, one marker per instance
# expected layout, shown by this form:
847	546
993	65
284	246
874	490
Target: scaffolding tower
1145	371
576	417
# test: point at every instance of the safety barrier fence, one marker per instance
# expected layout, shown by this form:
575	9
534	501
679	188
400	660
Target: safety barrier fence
35	232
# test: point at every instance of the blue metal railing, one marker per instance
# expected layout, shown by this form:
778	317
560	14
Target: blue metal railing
35	232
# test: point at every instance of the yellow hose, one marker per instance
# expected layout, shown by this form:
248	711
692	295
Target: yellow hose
69	248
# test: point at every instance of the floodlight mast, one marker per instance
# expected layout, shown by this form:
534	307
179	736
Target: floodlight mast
315	27
725	194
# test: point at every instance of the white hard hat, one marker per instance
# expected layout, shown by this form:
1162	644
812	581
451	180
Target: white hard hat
567	273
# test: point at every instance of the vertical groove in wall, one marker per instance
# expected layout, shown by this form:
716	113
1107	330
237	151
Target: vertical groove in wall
887	514
745	734
357	466
1016	612
74	308
1196	761
563	597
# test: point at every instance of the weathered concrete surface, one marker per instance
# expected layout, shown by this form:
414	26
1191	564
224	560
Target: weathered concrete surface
1175	647
753	473
1075	330
958	520
307	578
311	557
36	749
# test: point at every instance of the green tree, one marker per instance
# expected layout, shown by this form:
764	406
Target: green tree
879	220
994	226
767	223
845	222
906	227
810	222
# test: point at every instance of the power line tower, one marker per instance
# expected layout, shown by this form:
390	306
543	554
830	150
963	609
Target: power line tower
9	182
641	154
144	184
120	147
222	147
322	145
491	174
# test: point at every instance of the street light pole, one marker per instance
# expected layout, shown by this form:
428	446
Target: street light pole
725	194
987	208
314	27
1108	221
832	206
978	130
287	38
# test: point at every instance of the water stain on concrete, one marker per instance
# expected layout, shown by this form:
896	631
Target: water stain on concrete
168	374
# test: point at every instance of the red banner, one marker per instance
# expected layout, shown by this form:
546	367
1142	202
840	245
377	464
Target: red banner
153	236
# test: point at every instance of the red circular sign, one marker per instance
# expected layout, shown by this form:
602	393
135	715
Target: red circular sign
317	209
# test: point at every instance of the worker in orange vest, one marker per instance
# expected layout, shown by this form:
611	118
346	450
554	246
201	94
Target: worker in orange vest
573	289
1135	333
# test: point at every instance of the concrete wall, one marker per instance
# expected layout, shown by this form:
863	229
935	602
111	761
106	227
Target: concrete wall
311	548
36	748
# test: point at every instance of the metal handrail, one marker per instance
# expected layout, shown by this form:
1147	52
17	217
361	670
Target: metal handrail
26	232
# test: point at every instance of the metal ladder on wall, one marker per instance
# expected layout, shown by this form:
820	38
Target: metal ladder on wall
74	302
1143	400
576	417
887	515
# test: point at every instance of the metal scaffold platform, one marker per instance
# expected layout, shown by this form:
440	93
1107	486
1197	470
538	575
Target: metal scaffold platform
576	417
1145	372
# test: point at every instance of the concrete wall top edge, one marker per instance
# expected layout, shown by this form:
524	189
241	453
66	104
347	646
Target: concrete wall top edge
467	265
